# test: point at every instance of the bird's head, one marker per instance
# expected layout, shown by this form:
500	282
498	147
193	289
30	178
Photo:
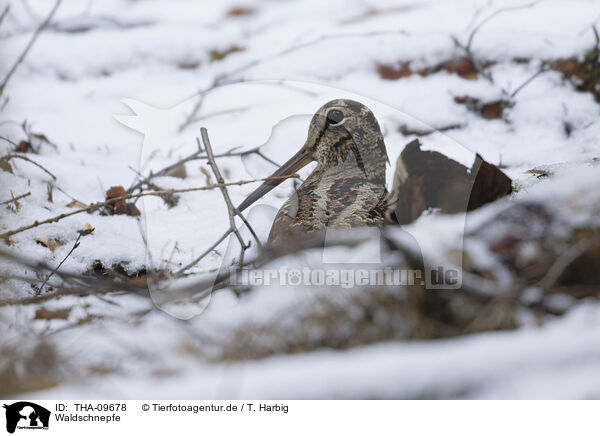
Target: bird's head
344	136
343	129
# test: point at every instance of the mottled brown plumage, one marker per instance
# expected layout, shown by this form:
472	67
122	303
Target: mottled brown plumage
347	188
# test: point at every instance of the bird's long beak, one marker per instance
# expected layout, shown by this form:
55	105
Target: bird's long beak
298	161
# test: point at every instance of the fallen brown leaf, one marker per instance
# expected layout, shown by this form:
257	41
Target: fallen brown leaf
77	204
218	55
44	313
568	67
50	243
5	166
394	72
465	99
464	67
24	147
492	110
120	207
238	11
189	65
179	171
87	231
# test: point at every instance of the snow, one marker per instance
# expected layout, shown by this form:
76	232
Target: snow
559	361
111	84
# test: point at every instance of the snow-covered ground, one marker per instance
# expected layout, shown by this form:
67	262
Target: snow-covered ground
558	362
112	84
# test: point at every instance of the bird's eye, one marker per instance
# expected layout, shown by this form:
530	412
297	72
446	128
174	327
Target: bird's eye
335	117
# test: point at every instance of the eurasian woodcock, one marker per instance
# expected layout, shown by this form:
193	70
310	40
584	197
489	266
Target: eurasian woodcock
347	188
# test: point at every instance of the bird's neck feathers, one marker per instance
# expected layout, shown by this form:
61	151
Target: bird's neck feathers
352	162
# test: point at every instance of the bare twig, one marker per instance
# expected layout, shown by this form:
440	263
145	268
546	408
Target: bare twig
231	211
49	193
9	141
15	201
4	14
219	113
468	46
4	103
478	27
18	156
478	64
229	77
197	155
260	153
561	264
95	206
204	254
75	245
27	194
67	194
20	59
215	168
528	81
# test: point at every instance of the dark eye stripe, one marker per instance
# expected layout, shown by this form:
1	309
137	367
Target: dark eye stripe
347	137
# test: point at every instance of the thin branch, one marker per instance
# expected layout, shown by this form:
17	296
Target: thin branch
18	156
260	153
232	228
562	263
95	206
21	58
528	81
39	291
180	272
491	16
219	113
4	14
67	194
4	103
27	194
229	77
479	67
197	155
467	48
14	200
232	212
9	141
